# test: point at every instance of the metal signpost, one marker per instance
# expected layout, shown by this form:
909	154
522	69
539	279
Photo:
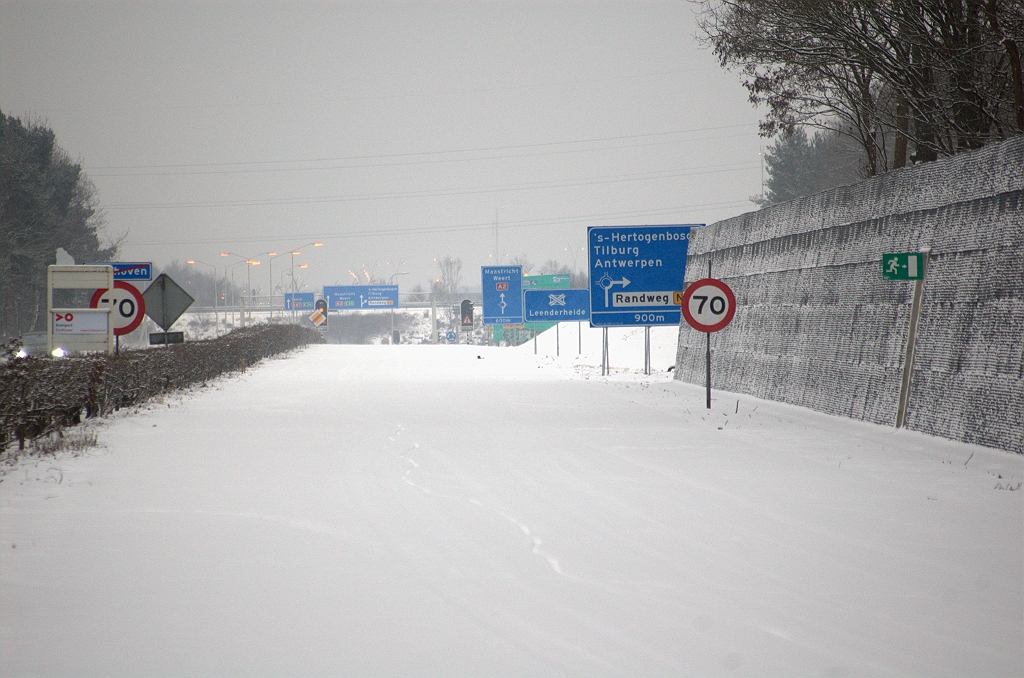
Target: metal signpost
165	301
127	308
73	325
908	266
708	305
557	305
366	297
502	295
635	272
319	316
547	281
298	301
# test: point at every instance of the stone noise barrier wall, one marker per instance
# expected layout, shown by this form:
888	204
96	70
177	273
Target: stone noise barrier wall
818	326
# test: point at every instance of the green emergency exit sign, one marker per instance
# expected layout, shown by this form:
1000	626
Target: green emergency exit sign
903	266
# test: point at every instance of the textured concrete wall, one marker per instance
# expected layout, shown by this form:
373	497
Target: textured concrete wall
818	326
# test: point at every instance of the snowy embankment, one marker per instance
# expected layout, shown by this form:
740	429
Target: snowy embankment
460	510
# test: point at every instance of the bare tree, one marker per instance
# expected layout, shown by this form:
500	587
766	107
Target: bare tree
552	266
524	261
448	284
943	75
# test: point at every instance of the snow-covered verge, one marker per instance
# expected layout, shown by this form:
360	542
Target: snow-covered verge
464	510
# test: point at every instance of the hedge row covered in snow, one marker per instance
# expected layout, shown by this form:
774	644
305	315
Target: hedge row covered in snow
40	396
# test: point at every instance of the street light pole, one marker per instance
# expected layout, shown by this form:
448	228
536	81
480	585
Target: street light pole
298	250
392	282
216	317
234	302
249	263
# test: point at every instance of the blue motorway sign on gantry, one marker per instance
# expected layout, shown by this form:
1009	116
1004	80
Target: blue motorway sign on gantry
366	297
502	294
299	301
557	305
635	273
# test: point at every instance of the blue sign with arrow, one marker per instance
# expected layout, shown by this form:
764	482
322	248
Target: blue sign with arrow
557	305
636	273
299	301
366	297
502	294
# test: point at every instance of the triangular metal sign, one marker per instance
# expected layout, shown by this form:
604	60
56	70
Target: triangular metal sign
166	301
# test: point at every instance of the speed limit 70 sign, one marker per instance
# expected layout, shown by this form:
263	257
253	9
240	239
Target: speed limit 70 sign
129	308
708	305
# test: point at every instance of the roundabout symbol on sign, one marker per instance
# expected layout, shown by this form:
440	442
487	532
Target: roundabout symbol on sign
129	308
708	305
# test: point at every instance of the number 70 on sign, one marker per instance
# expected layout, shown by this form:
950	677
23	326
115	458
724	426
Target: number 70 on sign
708	305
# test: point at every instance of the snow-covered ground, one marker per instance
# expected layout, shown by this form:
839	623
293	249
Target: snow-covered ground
459	510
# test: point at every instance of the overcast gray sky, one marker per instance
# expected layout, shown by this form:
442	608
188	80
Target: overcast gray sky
393	132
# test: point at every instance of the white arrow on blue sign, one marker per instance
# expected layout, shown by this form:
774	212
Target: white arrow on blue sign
369	297
502	294
635	272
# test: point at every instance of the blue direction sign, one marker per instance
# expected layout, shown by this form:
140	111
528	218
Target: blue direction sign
635	272
502	294
299	301
557	305
367	297
139	270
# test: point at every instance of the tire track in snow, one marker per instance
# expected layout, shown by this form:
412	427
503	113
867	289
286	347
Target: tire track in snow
414	466
305	526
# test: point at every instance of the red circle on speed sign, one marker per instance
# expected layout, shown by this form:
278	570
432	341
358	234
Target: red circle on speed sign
708	305
129	306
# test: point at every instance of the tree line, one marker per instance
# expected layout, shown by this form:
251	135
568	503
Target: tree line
907	81
46	202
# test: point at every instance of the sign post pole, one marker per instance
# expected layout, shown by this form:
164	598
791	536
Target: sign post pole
707	376
433	318
604	352
708	305
647	349
908	354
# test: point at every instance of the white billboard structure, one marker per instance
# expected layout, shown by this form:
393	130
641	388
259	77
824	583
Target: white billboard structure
73	326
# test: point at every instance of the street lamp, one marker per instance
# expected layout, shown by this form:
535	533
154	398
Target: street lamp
249	263
234	301
298	250
392	282
216	318
270	265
